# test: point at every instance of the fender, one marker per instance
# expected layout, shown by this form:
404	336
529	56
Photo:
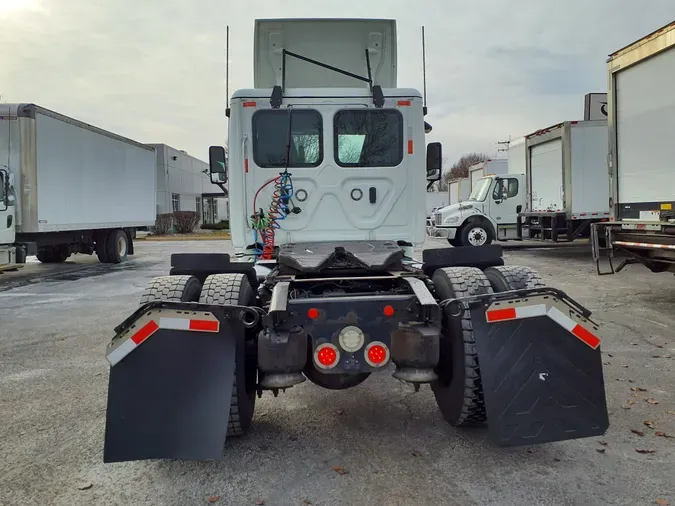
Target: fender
479	217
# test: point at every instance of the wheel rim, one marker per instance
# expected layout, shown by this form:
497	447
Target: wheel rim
477	236
121	246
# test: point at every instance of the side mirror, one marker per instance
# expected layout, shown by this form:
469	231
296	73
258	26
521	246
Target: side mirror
434	161
217	164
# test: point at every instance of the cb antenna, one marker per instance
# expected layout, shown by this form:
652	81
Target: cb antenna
227	71
424	70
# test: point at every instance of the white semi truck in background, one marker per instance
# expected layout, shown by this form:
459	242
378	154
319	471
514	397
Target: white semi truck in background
68	187
641	112
562	189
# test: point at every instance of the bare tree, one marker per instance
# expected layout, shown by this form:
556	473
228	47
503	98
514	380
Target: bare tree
460	168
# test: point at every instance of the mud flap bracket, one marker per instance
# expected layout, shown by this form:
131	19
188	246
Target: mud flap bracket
169	397
541	368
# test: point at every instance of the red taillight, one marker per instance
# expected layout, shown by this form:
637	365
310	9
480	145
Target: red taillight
377	354
312	313
326	356
388	311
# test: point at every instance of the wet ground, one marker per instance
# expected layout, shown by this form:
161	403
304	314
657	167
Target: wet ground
391	443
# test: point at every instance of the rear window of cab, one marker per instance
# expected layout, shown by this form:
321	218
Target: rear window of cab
270	138
361	138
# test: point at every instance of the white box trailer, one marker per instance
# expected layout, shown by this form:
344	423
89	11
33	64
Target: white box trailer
458	190
517	156
486	168
72	187
567	180
641	117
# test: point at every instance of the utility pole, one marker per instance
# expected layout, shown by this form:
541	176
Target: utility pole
504	143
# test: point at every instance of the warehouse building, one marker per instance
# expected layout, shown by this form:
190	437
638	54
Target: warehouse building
183	184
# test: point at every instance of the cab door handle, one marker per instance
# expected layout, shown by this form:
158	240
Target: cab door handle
372	194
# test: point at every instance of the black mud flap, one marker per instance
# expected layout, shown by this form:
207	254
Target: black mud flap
169	395
541	369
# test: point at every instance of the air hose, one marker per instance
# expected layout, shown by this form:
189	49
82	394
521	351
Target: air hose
265	224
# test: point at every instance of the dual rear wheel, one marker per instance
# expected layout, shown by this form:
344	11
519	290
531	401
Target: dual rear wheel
112	247
458	390
219	289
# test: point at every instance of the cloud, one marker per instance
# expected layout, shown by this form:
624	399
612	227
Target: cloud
154	71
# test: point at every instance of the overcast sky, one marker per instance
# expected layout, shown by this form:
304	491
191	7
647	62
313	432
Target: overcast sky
154	70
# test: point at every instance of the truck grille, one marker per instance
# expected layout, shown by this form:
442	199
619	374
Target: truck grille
438	219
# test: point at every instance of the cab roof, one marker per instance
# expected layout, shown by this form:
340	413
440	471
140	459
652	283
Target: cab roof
326	93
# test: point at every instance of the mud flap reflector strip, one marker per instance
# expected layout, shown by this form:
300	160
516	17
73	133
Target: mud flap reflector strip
165	323
520	312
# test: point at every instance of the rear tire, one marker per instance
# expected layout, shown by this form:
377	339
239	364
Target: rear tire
117	246
101	247
235	289
513	277
459	390
172	289
53	254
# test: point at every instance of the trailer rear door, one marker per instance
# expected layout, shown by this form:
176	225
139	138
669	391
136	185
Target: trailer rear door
546	166
645	113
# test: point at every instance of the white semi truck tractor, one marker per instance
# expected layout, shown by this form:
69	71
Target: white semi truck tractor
327	182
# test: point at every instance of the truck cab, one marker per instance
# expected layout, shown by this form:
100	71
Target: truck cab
490	213
322	152
7	221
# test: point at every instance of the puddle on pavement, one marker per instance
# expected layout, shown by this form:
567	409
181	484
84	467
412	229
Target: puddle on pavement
74	272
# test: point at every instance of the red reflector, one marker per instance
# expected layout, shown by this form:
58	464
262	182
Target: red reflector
246	165
249	104
204	325
404	103
410	147
326	356
583	334
313	313
497	315
388	311
144	332
377	354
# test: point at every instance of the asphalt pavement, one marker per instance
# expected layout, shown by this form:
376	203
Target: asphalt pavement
377	444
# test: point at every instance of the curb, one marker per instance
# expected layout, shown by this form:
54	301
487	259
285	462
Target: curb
174	238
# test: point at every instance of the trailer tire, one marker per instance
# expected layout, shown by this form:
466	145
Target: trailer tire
458	389
172	289
117	246
513	277
235	289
